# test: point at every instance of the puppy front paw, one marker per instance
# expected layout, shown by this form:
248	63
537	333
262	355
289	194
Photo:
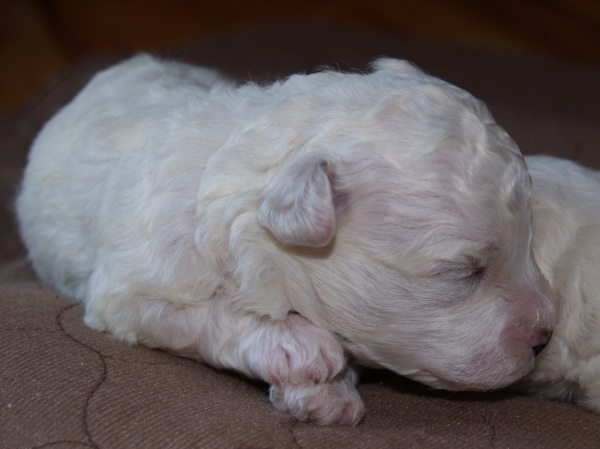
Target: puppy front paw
306	367
295	352
333	402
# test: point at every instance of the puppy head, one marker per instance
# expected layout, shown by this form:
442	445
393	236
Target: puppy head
410	213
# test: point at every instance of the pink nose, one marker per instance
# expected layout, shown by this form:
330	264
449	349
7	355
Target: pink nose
539	340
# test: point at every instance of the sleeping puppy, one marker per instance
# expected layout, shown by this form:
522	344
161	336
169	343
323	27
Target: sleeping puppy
566	209
283	230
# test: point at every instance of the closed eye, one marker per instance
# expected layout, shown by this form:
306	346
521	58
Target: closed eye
478	271
469	270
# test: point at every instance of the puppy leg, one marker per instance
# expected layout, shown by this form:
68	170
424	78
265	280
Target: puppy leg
304	364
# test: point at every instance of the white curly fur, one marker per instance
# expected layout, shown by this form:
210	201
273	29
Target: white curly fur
566	208
276	230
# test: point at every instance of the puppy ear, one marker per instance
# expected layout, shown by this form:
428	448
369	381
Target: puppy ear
298	205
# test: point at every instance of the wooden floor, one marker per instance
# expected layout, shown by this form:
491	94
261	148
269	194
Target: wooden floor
39	37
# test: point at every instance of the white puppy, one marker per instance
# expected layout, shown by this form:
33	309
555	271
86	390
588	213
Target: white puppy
277	230
566	209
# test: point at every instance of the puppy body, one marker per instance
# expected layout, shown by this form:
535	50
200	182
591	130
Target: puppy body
566	208
276	230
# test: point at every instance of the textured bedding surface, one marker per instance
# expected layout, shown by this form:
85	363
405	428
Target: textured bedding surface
63	385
